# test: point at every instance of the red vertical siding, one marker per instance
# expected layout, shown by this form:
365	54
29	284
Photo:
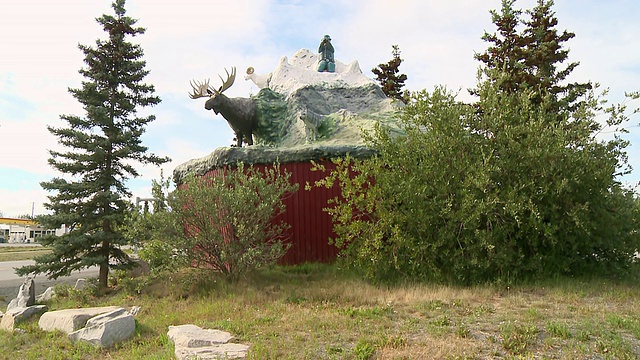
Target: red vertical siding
310	227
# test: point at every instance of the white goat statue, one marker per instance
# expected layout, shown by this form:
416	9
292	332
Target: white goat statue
262	80
311	122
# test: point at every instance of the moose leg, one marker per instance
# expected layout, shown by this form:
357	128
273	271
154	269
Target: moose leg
250	139
239	137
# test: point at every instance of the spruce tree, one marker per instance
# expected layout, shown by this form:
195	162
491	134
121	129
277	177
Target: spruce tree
389	79
545	53
90	197
524	55
507	49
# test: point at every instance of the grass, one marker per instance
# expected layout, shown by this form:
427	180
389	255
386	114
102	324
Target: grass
18	253
324	312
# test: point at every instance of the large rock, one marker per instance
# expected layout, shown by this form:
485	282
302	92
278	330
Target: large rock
192	342
106	329
18	315
26	295
194	336
70	320
81	284
47	295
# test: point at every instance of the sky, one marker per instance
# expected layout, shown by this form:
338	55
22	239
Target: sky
198	39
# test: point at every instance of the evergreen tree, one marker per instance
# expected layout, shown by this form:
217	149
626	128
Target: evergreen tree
528	59
507	52
389	79
545	53
91	198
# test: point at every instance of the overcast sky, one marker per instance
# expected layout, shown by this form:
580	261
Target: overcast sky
192	39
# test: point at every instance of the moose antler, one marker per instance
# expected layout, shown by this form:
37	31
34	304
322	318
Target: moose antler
200	89
203	89
230	79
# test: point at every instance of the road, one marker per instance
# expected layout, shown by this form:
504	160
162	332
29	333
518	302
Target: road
10	282
19	244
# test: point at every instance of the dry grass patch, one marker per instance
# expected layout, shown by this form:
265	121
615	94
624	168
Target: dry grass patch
323	312
18	253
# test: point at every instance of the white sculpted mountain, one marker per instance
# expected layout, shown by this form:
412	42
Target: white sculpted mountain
301	71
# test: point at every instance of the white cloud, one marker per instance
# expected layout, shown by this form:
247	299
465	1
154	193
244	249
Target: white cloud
197	39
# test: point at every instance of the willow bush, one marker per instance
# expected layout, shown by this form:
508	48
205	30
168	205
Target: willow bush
502	190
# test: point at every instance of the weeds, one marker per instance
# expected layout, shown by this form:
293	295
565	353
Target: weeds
558	329
517	338
319	312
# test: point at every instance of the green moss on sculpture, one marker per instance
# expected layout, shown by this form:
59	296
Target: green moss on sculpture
273	117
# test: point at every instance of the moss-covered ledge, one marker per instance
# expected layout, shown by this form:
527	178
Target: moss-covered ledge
257	154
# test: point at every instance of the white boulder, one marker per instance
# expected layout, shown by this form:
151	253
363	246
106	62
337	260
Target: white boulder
26	295
18	315
192	342
70	320
47	295
81	284
106	329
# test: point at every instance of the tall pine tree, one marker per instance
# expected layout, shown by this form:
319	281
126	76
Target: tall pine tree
525	55
100	148
507	50
545	54
388	77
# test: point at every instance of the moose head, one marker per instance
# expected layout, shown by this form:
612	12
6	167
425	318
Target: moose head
240	113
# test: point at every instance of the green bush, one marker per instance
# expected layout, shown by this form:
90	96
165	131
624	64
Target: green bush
496	191
228	221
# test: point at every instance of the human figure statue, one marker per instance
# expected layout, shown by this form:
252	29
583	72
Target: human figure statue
325	50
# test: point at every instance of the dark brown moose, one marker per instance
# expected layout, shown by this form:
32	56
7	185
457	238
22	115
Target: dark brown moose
240	113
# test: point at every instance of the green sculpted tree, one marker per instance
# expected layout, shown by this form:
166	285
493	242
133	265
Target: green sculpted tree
389	79
91	199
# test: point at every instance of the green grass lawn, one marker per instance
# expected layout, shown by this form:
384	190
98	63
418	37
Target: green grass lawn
322	312
18	253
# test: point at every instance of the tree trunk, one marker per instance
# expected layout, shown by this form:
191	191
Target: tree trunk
104	268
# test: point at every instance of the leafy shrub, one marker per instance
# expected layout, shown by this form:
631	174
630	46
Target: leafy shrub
229	220
162	257
498	191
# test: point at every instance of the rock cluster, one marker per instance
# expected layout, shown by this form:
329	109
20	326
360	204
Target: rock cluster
20	314
101	326
106	329
22	307
70	320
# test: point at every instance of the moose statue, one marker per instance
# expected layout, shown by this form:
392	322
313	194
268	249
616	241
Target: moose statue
240	113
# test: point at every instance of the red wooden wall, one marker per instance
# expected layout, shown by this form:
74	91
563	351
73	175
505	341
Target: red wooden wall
310	227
